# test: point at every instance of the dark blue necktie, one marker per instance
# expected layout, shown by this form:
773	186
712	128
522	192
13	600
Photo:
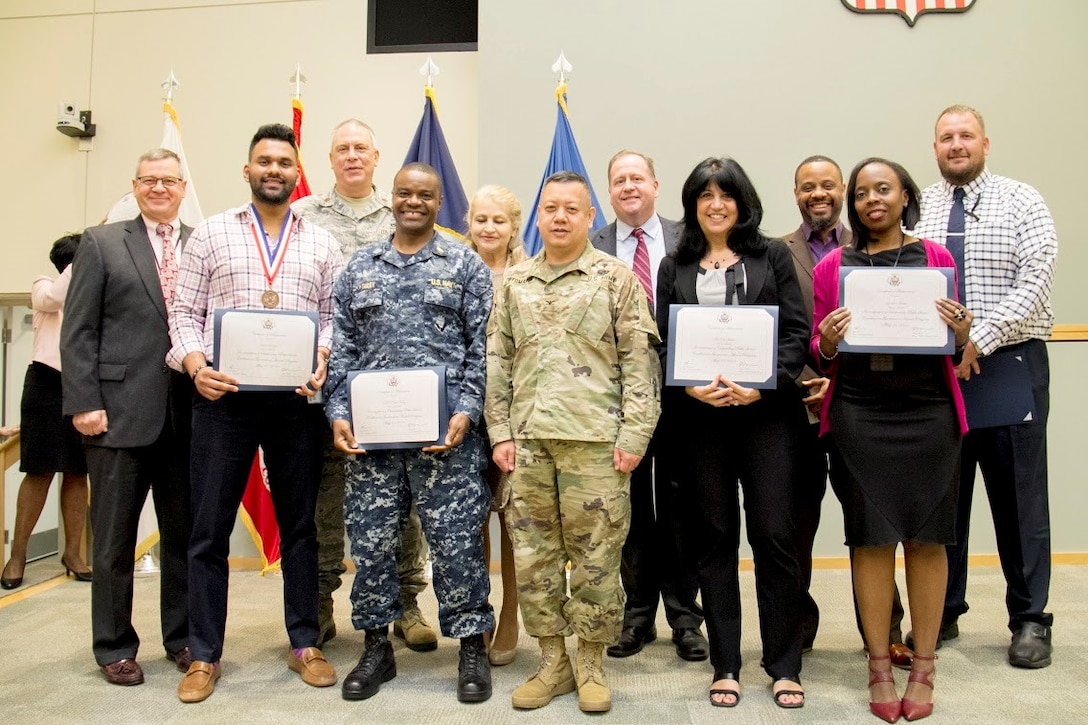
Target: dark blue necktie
954	240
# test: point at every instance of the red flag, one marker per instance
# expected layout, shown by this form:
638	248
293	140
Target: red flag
259	515
302	188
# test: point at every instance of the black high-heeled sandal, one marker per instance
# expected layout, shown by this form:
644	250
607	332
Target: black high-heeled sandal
788	691
724	691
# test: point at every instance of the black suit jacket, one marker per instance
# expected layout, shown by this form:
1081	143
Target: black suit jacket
772	280
604	238
115	337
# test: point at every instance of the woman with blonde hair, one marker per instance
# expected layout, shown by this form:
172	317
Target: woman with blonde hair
494	220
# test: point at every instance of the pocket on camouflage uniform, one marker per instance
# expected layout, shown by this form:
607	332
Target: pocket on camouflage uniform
587	320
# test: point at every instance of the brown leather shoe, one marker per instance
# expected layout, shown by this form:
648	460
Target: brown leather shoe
312	666
183	658
901	655
123	672
199	682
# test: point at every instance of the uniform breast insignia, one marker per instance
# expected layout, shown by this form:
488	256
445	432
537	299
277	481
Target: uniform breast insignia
440	322
577	370
367	285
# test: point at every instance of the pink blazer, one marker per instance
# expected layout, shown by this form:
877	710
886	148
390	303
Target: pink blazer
825	291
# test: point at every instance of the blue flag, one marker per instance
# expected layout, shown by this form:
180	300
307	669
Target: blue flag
429	147
564	157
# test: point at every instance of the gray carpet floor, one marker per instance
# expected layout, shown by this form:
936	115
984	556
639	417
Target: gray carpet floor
47	673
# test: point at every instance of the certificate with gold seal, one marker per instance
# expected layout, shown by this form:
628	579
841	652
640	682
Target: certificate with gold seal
398	408
266	349
893	309
738	342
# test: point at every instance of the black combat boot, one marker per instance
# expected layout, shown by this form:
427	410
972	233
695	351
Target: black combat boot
376	665
473	670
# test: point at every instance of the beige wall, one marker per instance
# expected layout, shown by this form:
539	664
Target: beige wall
773	81
768	82
234	59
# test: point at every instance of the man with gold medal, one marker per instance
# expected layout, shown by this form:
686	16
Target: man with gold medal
234	263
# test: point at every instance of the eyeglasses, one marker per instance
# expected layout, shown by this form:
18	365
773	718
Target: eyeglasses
168	182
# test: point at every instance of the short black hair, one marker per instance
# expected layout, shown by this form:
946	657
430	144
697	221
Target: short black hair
424	168
64	250
730	177
912	212
275	132
814	159
566	177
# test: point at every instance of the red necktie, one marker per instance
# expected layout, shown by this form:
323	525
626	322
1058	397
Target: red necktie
641	265
168	269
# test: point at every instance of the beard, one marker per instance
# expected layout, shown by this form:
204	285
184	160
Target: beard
822	223
269	197
961	177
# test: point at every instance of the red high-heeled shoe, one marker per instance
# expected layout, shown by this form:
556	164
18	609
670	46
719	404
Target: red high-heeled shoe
912	709
886	711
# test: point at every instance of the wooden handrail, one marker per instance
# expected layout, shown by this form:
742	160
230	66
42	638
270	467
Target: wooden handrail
1069	333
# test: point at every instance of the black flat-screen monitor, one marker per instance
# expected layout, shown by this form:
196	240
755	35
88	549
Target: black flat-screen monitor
411	26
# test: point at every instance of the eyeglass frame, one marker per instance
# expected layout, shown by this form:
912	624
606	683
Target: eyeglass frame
168	182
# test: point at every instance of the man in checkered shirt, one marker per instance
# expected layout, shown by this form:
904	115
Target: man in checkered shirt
1009	246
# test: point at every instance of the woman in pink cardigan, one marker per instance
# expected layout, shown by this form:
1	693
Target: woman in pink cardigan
895	422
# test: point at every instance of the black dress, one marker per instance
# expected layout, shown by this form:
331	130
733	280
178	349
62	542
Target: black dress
895	438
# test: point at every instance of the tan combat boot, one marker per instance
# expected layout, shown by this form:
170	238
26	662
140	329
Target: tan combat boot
553	678
593	692
415	631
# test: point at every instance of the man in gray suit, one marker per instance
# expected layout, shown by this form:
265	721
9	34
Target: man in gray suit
653	563
132	410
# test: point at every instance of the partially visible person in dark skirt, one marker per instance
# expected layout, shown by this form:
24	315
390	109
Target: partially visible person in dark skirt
48	442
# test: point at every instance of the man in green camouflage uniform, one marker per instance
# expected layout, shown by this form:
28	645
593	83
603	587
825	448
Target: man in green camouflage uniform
572	400
357	213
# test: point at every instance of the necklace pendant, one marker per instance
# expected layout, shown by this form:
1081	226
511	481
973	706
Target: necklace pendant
717	265
270	299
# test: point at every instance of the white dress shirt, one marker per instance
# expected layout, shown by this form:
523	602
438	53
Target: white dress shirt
655	245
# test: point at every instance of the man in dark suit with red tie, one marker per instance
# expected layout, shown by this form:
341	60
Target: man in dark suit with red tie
653	563
133	411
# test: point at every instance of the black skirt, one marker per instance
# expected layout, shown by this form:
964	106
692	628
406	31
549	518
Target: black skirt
47	441
895	454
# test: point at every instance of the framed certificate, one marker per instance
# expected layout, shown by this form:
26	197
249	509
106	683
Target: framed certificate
266	349
738	341
893	310
398	408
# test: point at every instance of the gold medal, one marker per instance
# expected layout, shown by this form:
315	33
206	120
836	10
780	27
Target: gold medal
270	299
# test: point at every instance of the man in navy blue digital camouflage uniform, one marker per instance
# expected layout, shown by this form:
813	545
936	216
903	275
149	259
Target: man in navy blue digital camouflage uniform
416	300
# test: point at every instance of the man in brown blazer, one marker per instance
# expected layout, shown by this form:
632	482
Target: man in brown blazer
818	189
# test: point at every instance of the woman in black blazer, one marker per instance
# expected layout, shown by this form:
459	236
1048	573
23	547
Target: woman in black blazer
726	434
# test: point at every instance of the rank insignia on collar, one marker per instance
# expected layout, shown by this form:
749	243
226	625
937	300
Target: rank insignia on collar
909	9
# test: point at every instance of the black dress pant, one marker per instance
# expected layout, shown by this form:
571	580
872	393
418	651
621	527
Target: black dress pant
1014	469
655	561
756	447
120	479
226	434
